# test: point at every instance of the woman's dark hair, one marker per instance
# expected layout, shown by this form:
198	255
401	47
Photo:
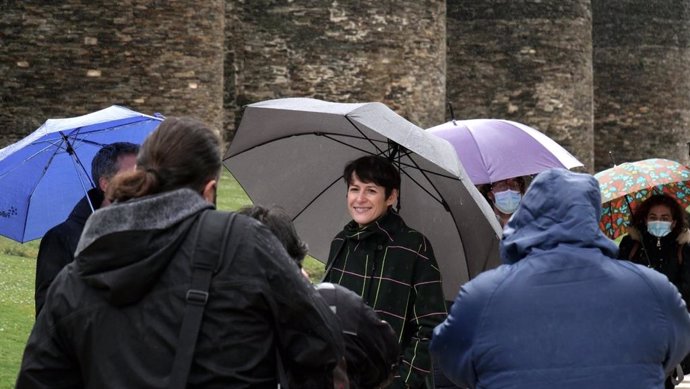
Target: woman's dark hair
376	169
639	217
280	224
181	153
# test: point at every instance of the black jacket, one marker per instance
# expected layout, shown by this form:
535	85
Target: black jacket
59	244
112	316
669	255
371	346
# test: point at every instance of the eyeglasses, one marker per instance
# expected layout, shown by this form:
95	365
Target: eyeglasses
500	186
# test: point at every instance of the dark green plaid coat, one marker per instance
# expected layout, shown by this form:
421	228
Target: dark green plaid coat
394	269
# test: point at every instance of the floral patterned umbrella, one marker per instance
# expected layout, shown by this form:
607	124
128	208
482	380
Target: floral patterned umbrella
625	186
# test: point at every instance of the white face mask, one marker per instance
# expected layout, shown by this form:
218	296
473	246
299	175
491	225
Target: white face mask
659	228
507	201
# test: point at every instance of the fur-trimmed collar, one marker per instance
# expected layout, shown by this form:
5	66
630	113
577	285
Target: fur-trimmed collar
683	237
146	213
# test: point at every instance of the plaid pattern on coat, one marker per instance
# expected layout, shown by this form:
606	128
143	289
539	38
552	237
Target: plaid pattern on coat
394	269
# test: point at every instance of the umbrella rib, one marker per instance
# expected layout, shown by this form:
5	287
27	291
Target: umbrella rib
52	144
364	136
316	133
329	136
382	153
315	197
481	155
423	172
58	147
76	160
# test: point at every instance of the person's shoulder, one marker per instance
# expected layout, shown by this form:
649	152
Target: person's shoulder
59	228
58	235
247	228
684	238
251	234
408	232
497	275
632	273
479	292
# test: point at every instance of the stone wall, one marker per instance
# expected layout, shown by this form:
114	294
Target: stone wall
641	80
346	51
532	61
67	58
527	61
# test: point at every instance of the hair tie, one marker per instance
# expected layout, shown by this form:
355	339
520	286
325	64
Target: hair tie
155	174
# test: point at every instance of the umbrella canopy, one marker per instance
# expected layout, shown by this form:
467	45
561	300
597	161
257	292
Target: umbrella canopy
291	152
45	174
625	186
492	150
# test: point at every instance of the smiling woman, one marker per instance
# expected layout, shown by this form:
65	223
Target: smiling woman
391	266
367	201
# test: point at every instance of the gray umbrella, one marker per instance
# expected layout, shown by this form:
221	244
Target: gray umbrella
291	152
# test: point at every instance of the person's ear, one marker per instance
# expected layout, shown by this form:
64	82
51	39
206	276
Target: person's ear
392	198
209	191
103	184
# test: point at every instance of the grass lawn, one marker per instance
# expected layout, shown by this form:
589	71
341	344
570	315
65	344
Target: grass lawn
18	265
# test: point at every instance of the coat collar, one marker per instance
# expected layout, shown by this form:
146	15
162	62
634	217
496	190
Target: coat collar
385	226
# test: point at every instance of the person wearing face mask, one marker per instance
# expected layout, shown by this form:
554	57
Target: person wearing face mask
562	312
659	239
504	196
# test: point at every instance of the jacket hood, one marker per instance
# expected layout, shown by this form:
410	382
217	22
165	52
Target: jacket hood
560	208
125	247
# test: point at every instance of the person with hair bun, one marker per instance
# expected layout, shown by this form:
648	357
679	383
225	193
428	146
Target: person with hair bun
117	317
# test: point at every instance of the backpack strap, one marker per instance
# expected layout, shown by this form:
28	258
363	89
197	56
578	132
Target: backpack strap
212	227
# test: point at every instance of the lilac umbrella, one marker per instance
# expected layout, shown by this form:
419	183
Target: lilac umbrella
492	150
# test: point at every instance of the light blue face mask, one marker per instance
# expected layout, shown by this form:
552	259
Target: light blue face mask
659	228
507	201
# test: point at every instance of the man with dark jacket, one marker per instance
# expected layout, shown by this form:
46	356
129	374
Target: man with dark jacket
59	243
563	312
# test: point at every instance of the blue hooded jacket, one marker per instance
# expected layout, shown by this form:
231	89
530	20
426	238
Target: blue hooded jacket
562	312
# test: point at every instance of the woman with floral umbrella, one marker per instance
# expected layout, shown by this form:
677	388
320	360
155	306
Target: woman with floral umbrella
659	238
624	187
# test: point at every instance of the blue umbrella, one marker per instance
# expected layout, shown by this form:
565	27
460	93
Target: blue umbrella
45	174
